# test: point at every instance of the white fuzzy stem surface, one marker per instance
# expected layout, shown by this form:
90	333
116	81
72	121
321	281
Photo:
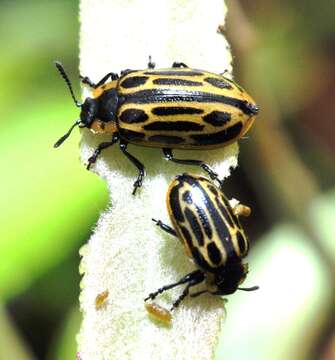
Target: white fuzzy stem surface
127	255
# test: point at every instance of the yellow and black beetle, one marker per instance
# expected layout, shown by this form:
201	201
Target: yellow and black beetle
174	108
211	234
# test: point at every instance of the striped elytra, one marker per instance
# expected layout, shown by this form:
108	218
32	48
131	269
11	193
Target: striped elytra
173	108
212	236
205	222
184	108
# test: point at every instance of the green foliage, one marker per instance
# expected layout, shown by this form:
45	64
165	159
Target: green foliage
11	345
294	294
66	347
49	202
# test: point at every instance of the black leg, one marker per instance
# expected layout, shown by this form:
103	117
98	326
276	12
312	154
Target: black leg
138	164
89	82
165	227
126	72
151	64
181	297
101	147
196	278
192	278
169	156
224	73
179	65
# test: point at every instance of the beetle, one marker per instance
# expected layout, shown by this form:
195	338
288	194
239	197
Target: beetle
173	108
212	236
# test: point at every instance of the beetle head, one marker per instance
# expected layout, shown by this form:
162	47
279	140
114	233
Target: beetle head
228	280
95	112
89	110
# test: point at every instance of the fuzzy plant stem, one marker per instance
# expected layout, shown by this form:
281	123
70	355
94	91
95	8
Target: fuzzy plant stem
127	255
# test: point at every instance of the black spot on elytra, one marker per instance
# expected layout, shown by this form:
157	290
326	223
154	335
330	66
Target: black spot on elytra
166	139
133	81
241	242
173	126
195	226
200	260
221	84
220	137
131	116
213	189
204	219
173	95
175	110
175	204
187	236
187	197
217	118
176	82
131	135
214	253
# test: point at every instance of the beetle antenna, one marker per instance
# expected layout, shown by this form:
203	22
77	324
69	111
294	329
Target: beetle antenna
249	289
64	137
61	70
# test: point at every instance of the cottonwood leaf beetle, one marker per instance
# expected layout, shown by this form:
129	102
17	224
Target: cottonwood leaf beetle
173	108
212	236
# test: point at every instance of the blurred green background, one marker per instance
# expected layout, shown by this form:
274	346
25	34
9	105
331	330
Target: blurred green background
284	55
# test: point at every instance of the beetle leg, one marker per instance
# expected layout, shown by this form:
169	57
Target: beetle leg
86	80
111	75
195	278
89	82
126	72
224	73
165	227
212	174
169	156
151	64
173	232
179	65
98	150
192	278
137	163
181	297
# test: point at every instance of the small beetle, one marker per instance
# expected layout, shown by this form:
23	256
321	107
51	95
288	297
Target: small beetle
174	108
211	233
